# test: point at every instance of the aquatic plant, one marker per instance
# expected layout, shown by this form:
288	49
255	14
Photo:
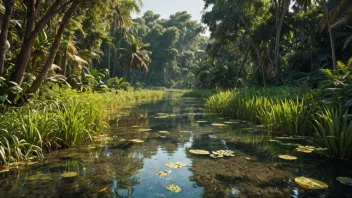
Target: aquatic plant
284	109
198	93
345	180
173	188
59	117
333	130
310	184
175	165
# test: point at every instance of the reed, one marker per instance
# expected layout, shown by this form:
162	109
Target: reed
333	130
59	118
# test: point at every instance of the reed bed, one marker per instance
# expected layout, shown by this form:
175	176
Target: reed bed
59	118
294	111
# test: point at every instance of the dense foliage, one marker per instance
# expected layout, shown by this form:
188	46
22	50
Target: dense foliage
89	46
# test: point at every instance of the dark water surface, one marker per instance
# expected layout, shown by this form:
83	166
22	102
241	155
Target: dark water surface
117	167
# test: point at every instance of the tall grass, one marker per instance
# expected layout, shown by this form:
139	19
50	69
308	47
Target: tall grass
333	130
59	118
198	93
283	109
294	111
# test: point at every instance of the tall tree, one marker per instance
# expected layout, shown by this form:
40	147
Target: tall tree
9	4
32	31
55	46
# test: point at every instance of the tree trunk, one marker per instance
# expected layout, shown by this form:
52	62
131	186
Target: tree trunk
256	49
333	54
64	61
242	64
4	31
54	48
109	60
279	22
32	32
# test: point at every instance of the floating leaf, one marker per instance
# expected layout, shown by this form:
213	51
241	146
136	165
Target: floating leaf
219	125
345	180
199	152
260	126
69	174
231	122
163	173
175	165
173	188
227	153
161	117
164	132
101	138
310	184
137	141
287	157
40	176
305	149
216	155
144	130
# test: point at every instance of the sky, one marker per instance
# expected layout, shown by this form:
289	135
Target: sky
168	7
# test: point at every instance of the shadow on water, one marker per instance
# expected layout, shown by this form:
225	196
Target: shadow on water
125	163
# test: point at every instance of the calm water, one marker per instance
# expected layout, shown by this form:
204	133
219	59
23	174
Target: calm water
119	168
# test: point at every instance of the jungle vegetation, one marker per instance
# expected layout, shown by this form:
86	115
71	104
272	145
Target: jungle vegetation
302	48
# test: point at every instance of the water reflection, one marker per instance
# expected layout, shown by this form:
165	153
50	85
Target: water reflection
120	167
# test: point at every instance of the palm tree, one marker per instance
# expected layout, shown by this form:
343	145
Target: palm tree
134	57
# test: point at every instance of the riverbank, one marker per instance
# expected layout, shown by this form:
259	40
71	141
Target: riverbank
59	118
293	111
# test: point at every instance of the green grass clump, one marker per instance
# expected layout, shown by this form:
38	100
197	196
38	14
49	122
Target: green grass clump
333	130
199	93
59	118
283	109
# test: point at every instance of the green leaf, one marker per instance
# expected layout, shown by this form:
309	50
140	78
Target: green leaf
3	99
348	103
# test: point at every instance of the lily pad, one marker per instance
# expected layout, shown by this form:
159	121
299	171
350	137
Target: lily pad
175	165
164	132
345	180
137	141
69	174
40	176
161	117
163	173
219	125
231	122
227	153
100	138
287	157
305	149
144	130
310	184
173	188
199	152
